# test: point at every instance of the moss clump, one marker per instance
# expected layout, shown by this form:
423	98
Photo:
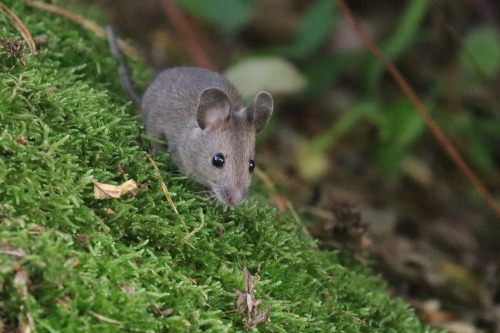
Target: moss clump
67	265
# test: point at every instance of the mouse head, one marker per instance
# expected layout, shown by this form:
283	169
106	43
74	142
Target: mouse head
227	162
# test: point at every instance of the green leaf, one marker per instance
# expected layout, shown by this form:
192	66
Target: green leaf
404	35
273	74
312	159
480	153
482	51
390	161
399	127
325	72
228	16
314	28
402	125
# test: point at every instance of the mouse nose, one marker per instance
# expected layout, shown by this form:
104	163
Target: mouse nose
234	195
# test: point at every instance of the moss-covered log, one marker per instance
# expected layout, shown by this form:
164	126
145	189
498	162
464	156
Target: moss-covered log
71	263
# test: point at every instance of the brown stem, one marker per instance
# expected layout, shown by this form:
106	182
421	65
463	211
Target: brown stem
95	28
188	35
422	111
18	24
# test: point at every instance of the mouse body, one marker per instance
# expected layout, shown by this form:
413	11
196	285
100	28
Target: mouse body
209	130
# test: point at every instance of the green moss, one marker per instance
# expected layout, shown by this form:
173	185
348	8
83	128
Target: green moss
85	263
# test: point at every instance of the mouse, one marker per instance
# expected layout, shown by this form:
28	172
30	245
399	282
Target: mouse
210	132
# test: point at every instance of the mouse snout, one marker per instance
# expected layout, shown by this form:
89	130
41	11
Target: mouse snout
232	195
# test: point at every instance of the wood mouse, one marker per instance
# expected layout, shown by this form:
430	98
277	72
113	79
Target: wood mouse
210	132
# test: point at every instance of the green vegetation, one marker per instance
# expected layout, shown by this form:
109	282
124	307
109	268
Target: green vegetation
67	265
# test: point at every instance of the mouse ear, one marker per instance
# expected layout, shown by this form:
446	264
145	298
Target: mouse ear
213	108
262	108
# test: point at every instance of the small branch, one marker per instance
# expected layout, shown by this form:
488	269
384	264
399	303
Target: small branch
163	186
195	230
18	24
105	319
87	24
15	253
422	111
264	178
188	35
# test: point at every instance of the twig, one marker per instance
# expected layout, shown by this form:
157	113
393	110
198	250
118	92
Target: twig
195	230
264	178
15	253
188	35
422	111
92	26
18	24
105	319
164	187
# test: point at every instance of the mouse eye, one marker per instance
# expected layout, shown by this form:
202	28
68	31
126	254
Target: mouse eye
251	166
218	160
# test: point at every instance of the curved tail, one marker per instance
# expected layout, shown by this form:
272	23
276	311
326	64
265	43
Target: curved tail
122	69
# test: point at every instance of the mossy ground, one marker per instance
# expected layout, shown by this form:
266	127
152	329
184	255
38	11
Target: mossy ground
82	263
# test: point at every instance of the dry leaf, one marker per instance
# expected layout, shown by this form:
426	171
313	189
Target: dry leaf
107	191
246	303
37	228
128	289
220	231
82	240
21	281
62	303
119	167
164	313
260	317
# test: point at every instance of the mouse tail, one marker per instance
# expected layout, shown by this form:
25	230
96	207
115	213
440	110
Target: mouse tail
122	69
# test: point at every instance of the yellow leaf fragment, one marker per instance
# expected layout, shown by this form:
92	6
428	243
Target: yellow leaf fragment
106	191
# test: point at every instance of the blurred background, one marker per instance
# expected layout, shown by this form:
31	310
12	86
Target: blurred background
346	151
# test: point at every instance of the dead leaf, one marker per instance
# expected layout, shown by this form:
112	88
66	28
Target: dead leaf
107	191
21	282
241	299
128	289
260	317
247	304
220	231
37	228
82	240
16	253
62	303
119	167
164	313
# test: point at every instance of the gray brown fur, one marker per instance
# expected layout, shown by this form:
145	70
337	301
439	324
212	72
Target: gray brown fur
201	114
